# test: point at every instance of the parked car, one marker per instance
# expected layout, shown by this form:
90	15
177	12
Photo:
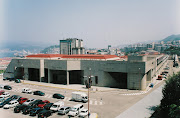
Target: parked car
35	103
58	96
31	106
7	87
15	97
22	100
44	114
1	92
11	79
35	111
40	93
5	102
1	86
64	110
48	106
27	109
18	108
84	113
29	101
43	103
56	106
11	104
26	90
5	94
75	110
5	78
1	98
17	81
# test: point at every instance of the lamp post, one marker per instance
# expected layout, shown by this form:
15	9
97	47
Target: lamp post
88	85
139	79
89	78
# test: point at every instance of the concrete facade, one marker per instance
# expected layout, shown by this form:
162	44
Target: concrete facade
136	73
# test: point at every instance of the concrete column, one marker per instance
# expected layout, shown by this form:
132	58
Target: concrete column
26	74
41	70
67	77
49	76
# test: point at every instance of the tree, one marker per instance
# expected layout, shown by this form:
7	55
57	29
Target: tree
170	103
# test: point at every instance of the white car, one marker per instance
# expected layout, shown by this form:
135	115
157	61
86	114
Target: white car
5	94
26	90
84	113
29	101
1	86
11	104
75	110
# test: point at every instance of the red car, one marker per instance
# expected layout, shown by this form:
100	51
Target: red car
22	100
43	103
1	92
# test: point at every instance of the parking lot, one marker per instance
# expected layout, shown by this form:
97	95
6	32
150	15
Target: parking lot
106	104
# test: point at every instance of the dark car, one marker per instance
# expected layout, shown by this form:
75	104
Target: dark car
17	81
2	104
18	108
44	113
5	78
5	102
35	103
27	109
7	87
40	93
11	79
15	97
48	106
35	111
58	96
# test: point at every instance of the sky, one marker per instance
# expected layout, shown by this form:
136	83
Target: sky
98	22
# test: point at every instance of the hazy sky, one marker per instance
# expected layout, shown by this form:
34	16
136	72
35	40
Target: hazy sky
97	22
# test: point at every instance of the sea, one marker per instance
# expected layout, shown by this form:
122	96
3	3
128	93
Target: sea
6	54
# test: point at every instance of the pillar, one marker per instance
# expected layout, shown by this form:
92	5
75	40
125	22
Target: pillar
67	77
41	70
49	76
26	76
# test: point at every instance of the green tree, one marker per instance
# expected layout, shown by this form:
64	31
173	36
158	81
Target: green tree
170	103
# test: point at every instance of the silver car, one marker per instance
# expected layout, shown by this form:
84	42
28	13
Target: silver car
64	110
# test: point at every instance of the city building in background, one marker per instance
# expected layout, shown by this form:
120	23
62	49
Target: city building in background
71	46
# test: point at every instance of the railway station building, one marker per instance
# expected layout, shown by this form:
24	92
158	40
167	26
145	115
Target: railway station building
133	72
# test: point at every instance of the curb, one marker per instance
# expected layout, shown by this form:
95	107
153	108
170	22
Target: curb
54	87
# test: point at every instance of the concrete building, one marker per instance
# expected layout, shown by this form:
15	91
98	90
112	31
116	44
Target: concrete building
71	46
135	72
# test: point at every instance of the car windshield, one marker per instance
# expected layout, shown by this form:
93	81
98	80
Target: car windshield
54	106
28	101
74	109
83	111
62	109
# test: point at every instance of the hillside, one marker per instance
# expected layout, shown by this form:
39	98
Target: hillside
51	50
172	38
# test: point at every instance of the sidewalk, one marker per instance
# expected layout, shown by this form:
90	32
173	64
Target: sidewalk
73	87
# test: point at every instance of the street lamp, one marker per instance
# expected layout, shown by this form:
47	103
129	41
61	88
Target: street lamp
88	85
139	79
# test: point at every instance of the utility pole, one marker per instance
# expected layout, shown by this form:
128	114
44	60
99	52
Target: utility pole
89	78
88	85
139	80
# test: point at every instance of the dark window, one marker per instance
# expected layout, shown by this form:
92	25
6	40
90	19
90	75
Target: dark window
96	79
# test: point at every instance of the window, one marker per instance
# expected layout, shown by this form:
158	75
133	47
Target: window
96	79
